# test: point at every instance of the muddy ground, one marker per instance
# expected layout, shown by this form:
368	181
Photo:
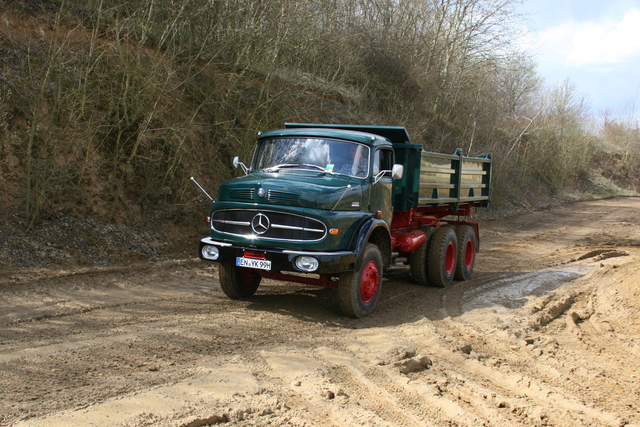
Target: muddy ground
547	333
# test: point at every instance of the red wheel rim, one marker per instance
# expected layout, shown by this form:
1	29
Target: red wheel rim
469	254
369	282
450	258
247	275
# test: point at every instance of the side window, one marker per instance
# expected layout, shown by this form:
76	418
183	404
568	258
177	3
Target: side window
383	161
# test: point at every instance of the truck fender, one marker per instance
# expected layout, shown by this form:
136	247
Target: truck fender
375	230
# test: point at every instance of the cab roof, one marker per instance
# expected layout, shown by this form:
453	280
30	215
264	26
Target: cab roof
370	135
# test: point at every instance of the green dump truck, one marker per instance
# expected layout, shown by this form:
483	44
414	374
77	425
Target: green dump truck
336	205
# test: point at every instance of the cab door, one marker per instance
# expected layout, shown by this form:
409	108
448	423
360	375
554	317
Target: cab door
381	192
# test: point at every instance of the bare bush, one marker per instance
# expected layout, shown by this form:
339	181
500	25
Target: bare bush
123	100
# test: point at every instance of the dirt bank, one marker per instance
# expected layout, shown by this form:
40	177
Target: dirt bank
546	334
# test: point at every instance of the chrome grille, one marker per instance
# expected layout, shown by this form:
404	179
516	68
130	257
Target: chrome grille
270	225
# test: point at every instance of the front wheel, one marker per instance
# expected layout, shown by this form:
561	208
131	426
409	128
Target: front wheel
238	282
358	291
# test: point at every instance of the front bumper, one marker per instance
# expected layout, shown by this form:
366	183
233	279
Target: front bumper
330	262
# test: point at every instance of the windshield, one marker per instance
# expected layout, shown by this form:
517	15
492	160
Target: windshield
329	155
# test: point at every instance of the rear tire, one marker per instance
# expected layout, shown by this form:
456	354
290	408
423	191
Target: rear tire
238	282
442	257
358	291
466	252
418	259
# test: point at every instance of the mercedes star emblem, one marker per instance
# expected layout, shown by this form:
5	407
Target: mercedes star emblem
260	223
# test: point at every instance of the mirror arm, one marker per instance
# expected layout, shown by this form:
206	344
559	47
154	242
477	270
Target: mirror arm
237	162
396	173
379	176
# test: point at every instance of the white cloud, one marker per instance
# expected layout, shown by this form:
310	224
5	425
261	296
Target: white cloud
594	43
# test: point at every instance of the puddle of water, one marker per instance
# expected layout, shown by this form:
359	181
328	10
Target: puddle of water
513	292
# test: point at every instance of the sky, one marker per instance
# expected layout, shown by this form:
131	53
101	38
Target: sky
593	43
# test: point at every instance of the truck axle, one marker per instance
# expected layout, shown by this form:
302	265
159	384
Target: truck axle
324	281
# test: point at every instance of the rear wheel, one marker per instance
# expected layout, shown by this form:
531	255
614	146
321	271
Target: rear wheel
358	291
418	259
466	252
238	282
442	257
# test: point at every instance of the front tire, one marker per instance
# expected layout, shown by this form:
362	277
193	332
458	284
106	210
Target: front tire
442	257
238	282
358	291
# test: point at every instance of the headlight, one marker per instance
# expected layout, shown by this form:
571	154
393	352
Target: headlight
307	263
210	252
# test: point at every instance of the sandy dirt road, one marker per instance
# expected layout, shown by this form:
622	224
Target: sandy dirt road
547	333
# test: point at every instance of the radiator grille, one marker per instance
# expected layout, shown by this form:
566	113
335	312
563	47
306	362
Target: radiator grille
269	225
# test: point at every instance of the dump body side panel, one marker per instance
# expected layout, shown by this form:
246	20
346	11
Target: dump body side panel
436	180
453	180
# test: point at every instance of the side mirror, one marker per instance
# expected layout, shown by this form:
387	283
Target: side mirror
237	162
397	171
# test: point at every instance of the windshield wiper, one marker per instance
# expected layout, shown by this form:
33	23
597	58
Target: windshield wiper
282	166
295	165
316	167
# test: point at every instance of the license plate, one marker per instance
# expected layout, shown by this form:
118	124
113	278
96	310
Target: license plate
253	263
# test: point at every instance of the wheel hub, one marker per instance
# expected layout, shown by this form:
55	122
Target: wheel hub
370	282
450	258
